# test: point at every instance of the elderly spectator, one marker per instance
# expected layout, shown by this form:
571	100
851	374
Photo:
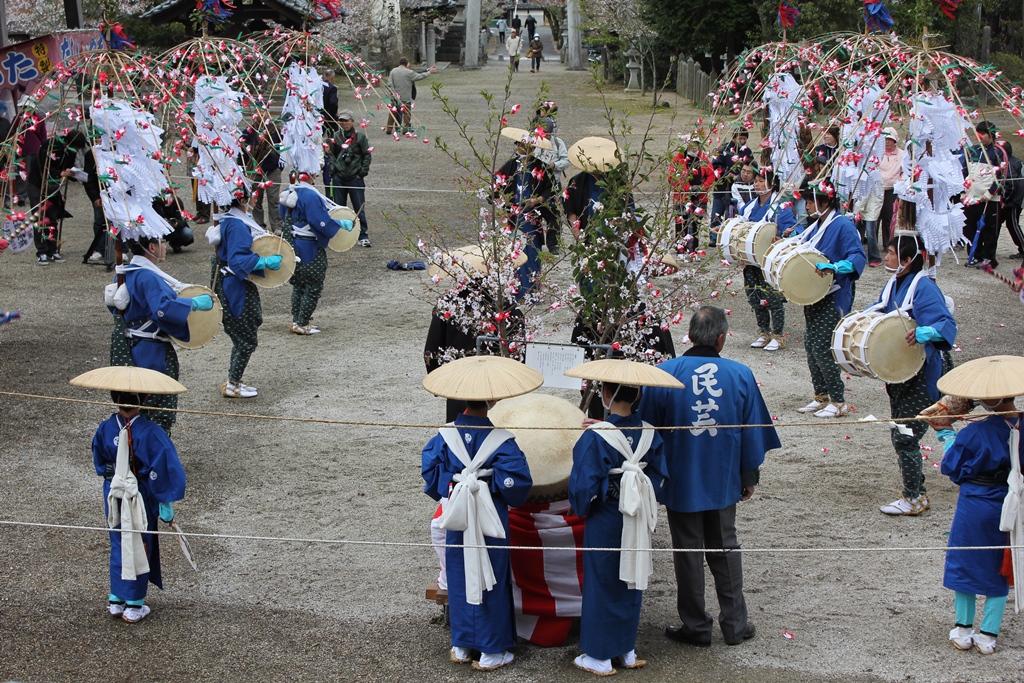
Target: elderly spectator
349	162
891	168
710	469
514	46
536	53
403	91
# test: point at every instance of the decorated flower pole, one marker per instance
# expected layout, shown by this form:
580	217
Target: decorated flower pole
100	102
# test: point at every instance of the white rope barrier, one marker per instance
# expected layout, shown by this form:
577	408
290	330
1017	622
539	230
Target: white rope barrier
410	544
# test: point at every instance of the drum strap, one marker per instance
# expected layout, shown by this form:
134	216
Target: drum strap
637	503
769	216
471	510
148	330
139	262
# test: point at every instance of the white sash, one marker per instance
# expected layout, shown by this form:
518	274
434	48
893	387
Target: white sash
213	232
637	504
1012	517
768	216
908	298
125	507
470	509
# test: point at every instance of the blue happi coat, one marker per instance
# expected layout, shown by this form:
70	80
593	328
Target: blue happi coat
771	211
611	610
489	627
980	448
161	480
928	308
152	299
235	249
310	212
841	242
704	464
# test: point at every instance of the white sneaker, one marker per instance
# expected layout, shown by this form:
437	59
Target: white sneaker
909	507
116	609
232	390
962	637
305	330
773	345
984	643
833	410
812	407
759	342
601	667
95	257
494	661
461	655
134	614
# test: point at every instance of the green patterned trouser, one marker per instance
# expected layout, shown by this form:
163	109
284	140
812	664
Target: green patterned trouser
768	303
908	399
307	283
159	407
821	319
242	330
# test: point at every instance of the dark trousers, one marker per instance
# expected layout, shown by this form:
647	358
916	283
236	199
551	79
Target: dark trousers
885	218
821	319
768	304
709	529
1011	215
343	189
535	63
99	232
907	400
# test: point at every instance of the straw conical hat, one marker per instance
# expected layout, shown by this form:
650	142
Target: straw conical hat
472	258
523	135
129	379
985	378
594	154
482	378
627	372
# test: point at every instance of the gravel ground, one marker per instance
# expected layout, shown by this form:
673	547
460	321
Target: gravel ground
301	611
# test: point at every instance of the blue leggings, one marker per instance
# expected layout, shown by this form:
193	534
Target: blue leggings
964	603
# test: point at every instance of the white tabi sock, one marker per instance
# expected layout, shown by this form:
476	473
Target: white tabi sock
490	661
597	666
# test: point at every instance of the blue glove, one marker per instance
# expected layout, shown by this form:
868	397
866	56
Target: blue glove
927	334
268	263
347	225
203	302
947	437
825	266
166	512
843	267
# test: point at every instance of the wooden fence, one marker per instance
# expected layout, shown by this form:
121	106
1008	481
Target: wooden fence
695	85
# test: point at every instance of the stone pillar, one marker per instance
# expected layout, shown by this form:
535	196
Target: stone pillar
423	41
472	51
431	46
574	45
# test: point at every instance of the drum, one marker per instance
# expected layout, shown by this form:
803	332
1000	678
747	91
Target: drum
746	242
344	239
789	268
270	245
549	452
874	344
202	325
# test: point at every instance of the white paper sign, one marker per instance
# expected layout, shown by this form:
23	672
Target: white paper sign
551	360
19	242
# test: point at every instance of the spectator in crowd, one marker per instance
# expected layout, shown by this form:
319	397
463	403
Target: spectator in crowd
709	471
1013	198
350	158
502	29
891	168
983	217
535	53
530	25
730	160
403	93
514	46
263	164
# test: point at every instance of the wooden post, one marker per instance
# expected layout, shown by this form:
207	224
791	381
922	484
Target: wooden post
575	46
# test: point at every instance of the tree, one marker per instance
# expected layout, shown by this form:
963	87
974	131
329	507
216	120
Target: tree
693	27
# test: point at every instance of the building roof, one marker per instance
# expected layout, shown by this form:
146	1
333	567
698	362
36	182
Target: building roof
287	12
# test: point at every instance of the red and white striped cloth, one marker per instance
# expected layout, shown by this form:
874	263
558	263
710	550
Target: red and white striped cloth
547	585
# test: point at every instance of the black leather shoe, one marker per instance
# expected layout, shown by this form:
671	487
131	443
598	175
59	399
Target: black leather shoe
747	635
677	634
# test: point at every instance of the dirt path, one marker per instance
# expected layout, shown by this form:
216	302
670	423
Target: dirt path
297	611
